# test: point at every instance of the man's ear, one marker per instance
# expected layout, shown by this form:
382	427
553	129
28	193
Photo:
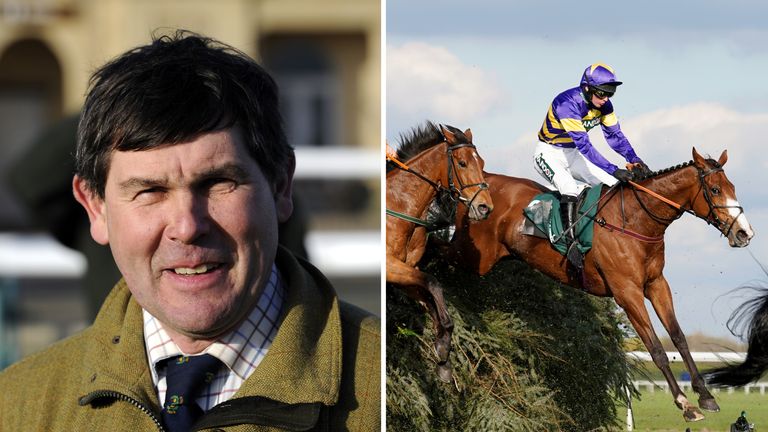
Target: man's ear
95	207
283	187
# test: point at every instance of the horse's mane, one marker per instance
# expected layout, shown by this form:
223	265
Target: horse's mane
423	137
675	168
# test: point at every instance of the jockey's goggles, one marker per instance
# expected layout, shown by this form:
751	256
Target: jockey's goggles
601	94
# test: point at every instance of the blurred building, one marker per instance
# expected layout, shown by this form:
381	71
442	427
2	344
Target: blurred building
325	56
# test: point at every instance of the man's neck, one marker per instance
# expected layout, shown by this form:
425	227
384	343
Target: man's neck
187	344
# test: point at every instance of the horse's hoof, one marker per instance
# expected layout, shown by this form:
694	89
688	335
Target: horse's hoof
692	414
709	405
442	351
445	372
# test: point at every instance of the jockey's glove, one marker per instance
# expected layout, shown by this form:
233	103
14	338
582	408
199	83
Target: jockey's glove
623	175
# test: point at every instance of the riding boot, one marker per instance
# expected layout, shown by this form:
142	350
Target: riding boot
569	210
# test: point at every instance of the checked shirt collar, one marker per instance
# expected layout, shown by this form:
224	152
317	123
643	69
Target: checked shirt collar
240	350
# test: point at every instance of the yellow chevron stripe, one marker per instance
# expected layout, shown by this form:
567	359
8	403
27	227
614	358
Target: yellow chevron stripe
597	65
610	120
572	125
552	119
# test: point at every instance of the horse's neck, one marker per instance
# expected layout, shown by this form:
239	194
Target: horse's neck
677	186
432	165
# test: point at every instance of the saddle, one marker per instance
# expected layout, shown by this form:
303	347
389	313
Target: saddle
542	219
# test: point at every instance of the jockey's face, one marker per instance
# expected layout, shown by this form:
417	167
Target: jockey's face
598	102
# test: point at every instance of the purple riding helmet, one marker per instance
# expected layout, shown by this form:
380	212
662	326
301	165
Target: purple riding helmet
600	76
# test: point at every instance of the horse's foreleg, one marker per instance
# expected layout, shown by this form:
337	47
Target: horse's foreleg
661	298
635	308
443	329
426	290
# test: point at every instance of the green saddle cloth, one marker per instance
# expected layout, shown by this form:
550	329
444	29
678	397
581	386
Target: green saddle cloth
544	212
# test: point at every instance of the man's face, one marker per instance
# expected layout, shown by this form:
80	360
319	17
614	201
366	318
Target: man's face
193	229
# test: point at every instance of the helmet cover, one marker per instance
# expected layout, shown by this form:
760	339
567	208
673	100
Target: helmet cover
600	76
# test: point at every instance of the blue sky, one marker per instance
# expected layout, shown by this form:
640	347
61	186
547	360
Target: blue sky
693	73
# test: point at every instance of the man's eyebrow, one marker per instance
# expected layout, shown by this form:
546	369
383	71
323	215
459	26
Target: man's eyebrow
230	170
134	183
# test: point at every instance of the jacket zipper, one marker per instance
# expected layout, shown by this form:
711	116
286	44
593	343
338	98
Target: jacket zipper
113	394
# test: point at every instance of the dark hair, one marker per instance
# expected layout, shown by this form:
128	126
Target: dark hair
171	91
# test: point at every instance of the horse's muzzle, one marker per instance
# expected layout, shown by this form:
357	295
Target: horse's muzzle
740	236
483	210
480	211
740	239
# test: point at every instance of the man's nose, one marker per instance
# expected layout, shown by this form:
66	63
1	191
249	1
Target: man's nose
188	218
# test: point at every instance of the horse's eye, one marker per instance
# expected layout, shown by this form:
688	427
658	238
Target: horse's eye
715	190
463	164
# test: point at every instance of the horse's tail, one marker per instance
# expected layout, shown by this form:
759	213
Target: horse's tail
756	362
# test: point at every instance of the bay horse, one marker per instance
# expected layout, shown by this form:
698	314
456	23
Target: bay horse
627	256
753	314
437	161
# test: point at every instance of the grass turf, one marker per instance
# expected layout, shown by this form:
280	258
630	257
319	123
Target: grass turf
656	412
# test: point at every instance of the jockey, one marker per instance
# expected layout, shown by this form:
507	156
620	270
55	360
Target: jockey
564	153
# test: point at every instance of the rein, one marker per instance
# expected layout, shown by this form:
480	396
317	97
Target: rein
452	189
405	217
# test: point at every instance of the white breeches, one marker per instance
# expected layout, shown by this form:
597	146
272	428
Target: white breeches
568	170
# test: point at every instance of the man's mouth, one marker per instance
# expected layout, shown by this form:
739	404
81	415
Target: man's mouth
201	269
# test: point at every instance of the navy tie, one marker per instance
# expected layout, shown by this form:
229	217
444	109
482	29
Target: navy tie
186	378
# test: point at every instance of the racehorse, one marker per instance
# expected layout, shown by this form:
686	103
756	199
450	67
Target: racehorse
627	256
438	161
756	328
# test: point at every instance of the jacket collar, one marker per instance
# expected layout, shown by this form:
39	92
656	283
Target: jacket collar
303	365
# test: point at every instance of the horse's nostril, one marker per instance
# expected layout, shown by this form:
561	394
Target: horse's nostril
742	235
483	208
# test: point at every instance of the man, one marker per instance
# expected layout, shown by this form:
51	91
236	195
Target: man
184	171
565	156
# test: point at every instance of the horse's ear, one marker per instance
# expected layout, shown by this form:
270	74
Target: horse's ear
698	159
468	134
723	158
449	136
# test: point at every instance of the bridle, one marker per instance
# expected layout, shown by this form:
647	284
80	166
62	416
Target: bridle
459	192
456	193
711	217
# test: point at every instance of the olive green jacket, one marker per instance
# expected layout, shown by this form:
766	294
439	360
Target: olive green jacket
322	373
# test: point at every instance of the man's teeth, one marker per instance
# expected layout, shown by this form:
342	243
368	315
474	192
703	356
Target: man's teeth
202	268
